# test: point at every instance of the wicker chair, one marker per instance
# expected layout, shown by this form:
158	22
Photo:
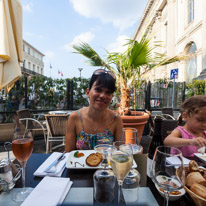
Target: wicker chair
56	126
30	123
164	118
168	125
168	111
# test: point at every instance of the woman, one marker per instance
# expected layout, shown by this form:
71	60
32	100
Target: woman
96	124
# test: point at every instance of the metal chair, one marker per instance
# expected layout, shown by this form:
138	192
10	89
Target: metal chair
30	123
56	126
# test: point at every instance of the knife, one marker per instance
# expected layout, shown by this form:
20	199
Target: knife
55	162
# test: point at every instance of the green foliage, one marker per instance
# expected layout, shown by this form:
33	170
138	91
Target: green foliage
197	87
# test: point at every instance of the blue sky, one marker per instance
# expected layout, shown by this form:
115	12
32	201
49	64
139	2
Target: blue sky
52	26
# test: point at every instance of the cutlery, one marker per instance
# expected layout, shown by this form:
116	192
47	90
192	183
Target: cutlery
202	150
61	157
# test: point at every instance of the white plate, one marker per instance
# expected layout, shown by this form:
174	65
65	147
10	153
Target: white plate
202	157
70	164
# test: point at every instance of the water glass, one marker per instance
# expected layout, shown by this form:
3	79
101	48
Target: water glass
130	187
104	186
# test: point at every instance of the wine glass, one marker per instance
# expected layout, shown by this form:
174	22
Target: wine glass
165	175
121	163
22	146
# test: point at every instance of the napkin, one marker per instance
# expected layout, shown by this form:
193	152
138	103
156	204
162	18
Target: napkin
60	166
176	161
51	191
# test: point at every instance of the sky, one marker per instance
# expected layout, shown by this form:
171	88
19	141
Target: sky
53	26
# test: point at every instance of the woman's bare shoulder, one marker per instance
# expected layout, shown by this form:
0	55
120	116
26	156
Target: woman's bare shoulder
74	115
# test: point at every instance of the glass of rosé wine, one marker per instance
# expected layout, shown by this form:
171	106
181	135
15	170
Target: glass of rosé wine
22	147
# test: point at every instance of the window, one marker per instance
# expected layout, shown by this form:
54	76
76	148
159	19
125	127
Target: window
28	50
29	65
24	64
33	67
23	47
191	65
37	69
42	71
190	11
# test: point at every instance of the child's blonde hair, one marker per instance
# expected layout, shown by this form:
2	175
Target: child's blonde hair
193	104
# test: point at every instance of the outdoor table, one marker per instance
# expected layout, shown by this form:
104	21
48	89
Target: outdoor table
83	182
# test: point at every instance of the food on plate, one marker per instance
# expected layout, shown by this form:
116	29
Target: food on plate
194	177
94	159
172	192
78	154
199	189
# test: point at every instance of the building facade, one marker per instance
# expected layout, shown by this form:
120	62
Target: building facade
33	60
180	26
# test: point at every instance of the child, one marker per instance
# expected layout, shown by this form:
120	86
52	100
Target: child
192	135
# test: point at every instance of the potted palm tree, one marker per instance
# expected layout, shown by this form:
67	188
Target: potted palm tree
127	68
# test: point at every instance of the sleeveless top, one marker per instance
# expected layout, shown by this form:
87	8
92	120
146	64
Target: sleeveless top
188	151
88	141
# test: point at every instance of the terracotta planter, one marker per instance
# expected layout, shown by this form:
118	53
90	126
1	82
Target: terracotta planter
137	120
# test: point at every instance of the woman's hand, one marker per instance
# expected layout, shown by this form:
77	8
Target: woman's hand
199	141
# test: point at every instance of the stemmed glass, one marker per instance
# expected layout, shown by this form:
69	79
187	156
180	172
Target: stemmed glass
166	176
22	146
121	163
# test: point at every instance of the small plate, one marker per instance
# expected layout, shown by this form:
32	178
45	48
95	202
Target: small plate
70	164
171	197
202	157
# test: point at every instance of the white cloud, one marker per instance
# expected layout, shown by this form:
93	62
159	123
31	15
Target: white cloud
121	13
83	37
117	46
28	7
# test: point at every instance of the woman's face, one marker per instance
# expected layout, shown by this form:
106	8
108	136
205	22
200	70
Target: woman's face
197	121
100	97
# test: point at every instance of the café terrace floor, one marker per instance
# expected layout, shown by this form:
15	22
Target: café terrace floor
39	146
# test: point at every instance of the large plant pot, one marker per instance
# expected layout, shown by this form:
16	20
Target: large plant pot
137	120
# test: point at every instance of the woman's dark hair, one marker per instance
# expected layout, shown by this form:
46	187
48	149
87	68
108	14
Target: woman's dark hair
104	80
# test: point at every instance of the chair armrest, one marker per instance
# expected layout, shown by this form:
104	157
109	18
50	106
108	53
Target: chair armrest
31	119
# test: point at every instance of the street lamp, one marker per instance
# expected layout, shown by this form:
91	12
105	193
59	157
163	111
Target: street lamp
80	69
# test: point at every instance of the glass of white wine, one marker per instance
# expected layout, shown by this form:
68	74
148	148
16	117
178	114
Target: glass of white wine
121	163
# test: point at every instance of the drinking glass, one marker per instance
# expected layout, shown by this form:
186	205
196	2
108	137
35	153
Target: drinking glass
22	146
104	179
166	176
130	136
121	163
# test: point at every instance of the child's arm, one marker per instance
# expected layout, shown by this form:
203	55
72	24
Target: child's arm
175	139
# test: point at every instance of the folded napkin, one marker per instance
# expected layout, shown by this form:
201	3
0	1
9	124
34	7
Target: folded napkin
59	168
51	191
176	161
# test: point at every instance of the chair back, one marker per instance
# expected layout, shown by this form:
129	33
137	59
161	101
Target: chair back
168	125
57	124
25	113
167	110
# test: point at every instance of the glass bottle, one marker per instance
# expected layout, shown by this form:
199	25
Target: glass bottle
155	142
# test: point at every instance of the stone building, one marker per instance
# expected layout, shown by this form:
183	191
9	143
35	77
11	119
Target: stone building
33	60
180	26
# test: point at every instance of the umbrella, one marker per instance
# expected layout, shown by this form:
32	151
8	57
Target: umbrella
11	53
